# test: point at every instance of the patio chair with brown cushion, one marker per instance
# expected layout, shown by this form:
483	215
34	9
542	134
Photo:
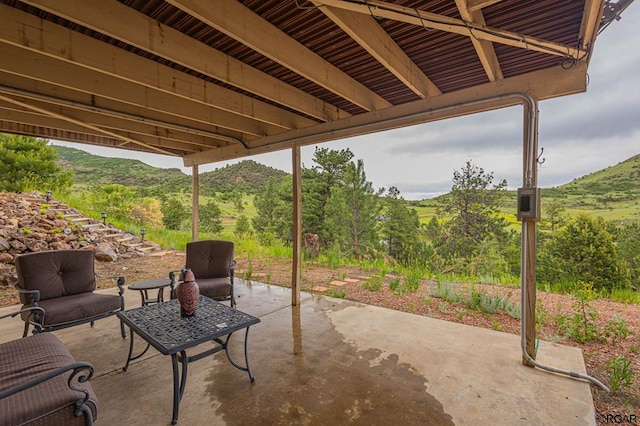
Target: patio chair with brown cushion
42	384
212	264
63	283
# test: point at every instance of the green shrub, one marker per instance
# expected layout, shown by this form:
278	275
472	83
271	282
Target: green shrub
620	373
373	283
394	286
617	329
338	293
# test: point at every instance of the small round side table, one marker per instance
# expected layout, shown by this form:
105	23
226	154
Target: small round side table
152	284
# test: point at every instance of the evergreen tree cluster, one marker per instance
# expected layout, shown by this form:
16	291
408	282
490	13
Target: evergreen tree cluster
342	208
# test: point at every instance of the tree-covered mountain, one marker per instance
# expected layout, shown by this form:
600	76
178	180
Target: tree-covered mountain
93	170
246	176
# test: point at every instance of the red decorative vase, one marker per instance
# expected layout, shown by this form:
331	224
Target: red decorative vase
188	292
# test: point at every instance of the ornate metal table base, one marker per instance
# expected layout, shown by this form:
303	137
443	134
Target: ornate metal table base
162	327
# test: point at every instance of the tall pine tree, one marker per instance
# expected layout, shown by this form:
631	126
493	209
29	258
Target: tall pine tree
400	226
353	212
317	184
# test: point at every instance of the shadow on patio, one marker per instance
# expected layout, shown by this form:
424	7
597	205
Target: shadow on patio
331	361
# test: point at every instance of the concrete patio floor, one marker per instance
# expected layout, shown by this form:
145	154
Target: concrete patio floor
331	361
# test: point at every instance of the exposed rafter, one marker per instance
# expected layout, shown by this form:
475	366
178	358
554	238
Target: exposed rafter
366	31
474	5
484	48
453	25
43	37
240	23
118	21
81	123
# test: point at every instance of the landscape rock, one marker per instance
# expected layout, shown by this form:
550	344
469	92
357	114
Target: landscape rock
4	244
105	253
28	223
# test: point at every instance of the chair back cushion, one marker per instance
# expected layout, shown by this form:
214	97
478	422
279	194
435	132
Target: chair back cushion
56	273
209	258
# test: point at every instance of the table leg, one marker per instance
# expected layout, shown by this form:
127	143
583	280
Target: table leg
246	355
130	349
179	383
133	358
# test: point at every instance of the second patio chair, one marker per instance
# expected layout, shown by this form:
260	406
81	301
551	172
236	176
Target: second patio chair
211	261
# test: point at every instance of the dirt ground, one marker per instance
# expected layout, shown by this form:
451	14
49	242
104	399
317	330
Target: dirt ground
624	404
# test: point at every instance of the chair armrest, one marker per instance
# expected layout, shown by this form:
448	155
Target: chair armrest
120	281
172	284
172	275
81	372
35	316
232	270
34	295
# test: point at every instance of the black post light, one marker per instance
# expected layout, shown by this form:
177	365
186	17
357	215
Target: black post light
143	232
104	218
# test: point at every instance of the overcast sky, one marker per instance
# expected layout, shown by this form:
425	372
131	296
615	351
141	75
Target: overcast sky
580	133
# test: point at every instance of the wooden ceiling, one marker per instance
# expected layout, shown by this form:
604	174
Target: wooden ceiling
216	80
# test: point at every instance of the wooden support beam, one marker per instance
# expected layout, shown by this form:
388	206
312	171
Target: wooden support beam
529	178
297	226
195	226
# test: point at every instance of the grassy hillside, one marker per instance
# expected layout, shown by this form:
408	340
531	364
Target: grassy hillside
92	170
613	193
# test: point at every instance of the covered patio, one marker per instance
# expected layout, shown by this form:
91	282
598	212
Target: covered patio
213	81
331	361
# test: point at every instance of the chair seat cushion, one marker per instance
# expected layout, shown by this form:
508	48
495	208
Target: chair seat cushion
50	402
214	288
77	307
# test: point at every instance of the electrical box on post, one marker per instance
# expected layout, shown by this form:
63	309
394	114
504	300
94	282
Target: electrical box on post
528	204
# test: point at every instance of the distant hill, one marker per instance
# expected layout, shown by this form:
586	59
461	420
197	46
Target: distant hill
616	183
93	170
612	193
247	176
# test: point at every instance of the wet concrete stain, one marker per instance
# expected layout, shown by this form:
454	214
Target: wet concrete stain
319	379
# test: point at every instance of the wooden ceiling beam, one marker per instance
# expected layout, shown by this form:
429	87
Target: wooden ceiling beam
47	69
38	90
135	141
58	134
593	10
18	115
176	139
370	35
240	23
453	25
124	24
547	83
484	49
475	5
27	31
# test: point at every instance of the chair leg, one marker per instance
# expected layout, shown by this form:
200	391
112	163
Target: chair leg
124	333
26	329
